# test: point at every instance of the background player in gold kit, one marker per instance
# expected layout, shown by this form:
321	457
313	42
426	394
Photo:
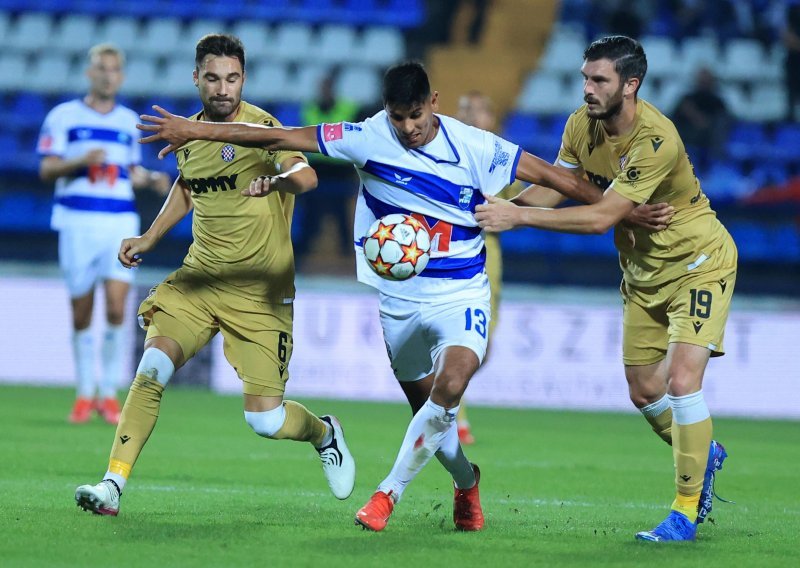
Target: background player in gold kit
476	109
677	283
237	279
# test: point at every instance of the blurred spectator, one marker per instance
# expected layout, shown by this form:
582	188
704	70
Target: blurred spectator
337	179
625	18
702	118
791	40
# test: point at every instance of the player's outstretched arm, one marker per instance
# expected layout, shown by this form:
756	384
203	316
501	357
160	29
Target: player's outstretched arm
176	131
535	170
176	207
501	215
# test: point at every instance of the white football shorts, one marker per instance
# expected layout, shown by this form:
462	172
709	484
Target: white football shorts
88	255
416	333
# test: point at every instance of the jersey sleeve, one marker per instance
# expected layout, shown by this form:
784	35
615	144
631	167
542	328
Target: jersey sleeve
500	160
349	141
52	137
650	161
567	155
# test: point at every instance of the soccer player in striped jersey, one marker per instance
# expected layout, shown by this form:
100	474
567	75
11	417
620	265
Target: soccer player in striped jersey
89	149
412	160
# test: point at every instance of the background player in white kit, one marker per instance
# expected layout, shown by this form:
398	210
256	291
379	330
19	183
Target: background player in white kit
411	160
89	148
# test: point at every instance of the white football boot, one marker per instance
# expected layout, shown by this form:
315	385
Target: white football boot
337	462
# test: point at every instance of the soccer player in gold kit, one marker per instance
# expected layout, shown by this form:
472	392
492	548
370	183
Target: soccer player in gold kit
237	279
476	109
677	283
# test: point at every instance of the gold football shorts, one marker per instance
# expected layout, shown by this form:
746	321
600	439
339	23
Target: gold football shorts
257	336
692	309
494	270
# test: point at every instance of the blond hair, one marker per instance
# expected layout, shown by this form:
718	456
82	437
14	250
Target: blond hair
106	49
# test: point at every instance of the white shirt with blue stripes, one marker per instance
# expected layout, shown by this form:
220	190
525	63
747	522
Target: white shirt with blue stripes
98	194
439	183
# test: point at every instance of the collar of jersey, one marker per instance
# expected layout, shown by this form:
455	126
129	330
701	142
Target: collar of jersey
447	138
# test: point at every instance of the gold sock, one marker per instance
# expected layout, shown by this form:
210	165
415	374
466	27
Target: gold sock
690	450
301	425
136	423
687	504
662	424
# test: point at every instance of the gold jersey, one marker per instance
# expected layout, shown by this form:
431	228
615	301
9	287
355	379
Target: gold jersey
242	245
648	165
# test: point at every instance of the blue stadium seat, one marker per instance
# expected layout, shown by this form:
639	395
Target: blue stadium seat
747	141
751	240
786	145
403	13
360	12
725	182
523	129
315	11
25	111
288	113
25	212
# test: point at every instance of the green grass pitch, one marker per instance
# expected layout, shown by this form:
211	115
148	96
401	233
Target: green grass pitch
558	489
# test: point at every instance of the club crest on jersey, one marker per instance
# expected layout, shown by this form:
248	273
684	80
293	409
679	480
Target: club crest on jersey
465	197
622	161
228	153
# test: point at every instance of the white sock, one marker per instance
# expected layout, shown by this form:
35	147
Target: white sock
655	408
116	478
423	438
112	360
689	409
83	353
451	456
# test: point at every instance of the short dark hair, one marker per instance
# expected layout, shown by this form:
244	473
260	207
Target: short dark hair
626	53
219	44
406	84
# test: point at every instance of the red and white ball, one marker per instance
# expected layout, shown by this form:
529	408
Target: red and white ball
397	247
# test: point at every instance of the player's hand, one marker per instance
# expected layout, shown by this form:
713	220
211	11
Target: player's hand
131	250
497	215
655	217
261	186
171	128
95	157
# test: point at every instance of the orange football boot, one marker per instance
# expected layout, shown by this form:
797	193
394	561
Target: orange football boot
465	435
108	409
467	512
375	514
81	411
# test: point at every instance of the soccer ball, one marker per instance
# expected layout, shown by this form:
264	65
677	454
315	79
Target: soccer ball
397	247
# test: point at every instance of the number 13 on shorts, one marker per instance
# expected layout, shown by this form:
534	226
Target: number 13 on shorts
475	318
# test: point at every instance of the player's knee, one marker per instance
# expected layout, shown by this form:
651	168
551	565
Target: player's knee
449	388
267	423
156	366
115	315
641	398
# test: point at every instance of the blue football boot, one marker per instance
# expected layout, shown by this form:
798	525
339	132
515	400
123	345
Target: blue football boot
716	455
676	527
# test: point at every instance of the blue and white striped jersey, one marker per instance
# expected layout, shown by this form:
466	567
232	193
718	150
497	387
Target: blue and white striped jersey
439	183
99	193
